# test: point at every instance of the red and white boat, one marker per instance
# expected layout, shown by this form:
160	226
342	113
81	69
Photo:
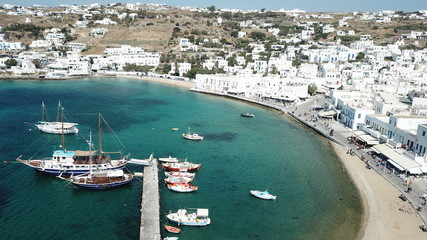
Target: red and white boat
172	229
182	187
173	179
179	174
181	166
192	136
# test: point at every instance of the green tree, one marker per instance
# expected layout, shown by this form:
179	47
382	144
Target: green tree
212	8
10	62
312	88
360	56
257	35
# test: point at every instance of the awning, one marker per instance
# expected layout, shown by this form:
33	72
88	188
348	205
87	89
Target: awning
368	139
415	171
397	158
396	165
287	98
358	133
382	148
84	153
326	114
405	162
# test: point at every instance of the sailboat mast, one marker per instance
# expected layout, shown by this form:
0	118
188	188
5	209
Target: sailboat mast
43	112
100	133
58	116
62	134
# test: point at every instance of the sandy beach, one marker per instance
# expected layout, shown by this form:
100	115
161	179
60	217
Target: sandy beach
382	217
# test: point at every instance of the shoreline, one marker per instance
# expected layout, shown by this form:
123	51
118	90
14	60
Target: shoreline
382	217
166	81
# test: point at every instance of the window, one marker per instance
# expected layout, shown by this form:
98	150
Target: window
359	115
424	133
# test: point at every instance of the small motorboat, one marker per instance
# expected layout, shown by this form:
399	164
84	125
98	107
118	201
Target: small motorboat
180	174
182	187
170	238
247	115
172	229
168	159
175	129
173	179
197	217
192	136
263	195
181	166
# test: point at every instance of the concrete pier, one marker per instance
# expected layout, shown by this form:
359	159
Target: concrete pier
150	206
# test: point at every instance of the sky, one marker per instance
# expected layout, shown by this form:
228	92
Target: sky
307	5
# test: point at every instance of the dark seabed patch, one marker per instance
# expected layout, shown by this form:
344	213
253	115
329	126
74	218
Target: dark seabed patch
227	136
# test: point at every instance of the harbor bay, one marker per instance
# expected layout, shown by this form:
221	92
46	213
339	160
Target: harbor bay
315	197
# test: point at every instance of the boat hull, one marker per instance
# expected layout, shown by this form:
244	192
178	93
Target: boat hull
262	195
172	229
182	188
192	137
58	131
193	224
101	186
70	169
66	172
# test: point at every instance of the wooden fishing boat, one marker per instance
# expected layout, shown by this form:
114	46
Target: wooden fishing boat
182	187
173	179
190	217
180	174
181	166
172	229
192	136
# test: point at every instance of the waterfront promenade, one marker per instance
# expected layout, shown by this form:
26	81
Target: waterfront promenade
150	206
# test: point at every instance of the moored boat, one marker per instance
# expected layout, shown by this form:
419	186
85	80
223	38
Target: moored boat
172	229
173	179
247	115
180	174
104	179
182	187
168	159
73	163
192	136
263	194
198	218
181	166
58	127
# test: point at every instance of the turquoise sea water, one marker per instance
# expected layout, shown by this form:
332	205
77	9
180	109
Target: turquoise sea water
315	198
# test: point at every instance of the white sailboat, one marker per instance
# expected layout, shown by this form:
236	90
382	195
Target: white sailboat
57	127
